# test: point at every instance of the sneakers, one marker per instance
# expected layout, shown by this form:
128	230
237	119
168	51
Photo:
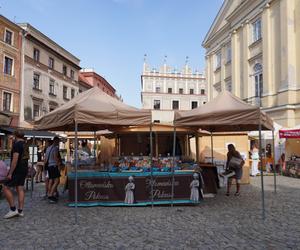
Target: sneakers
11	214
21	214
52	199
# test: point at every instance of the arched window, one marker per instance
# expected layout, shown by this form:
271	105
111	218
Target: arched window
258	79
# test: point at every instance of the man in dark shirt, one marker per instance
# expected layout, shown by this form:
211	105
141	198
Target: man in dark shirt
16	175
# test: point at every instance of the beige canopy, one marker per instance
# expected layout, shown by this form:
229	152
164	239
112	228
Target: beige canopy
93	110
224	113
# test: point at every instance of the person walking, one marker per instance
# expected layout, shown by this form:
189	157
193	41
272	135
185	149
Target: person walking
53	164
17	175
234	163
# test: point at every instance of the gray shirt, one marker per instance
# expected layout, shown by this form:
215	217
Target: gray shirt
50	153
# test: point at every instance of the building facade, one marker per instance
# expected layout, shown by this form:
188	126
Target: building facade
167	89
95	80
50	75
253	50
10	65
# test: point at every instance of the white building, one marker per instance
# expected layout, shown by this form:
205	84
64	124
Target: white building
167	89
50	75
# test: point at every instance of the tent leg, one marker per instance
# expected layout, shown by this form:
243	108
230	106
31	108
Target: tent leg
261	170
212	148
274	164
151	163
174	163
76	176
197	147
32	163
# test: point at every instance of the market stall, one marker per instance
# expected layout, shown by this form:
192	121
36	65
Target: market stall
292	152
227	113
93	110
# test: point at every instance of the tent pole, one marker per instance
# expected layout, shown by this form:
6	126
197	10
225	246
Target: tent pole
274	164
173	169
94	146
197	147
76	176
261	169
151	163
212	148
32	163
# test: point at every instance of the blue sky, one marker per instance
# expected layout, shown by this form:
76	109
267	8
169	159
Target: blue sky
112	36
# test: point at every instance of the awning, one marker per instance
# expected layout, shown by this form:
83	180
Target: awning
289	133
28	133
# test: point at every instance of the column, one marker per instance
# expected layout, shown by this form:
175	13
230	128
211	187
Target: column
288	45
235	63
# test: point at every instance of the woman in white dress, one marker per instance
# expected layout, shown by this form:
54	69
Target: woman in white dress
129	188
255	160
195	188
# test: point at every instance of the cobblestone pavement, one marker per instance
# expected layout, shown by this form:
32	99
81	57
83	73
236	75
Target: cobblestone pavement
217	223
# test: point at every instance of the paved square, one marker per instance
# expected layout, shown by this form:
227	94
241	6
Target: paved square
218	223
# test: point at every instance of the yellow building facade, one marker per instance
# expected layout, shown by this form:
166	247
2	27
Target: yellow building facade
253	49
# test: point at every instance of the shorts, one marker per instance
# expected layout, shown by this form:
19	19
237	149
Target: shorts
18	177
53	172
238	174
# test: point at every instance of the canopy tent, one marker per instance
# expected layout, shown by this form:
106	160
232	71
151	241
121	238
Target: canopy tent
93	110
225	113
228	113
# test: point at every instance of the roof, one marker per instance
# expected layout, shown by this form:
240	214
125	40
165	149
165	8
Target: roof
32	31
93	110
225	113
10	22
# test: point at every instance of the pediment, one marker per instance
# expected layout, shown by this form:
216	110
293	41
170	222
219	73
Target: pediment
220	21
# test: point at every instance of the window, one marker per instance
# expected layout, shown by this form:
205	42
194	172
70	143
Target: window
191	91
65	70
228	53
258	79
72	93
8	66
228	86
65	92
169	90
36	81
51	87
218	60
218	87
36	110
36	55
194	104
202	91
180	91
72	74
51	63
156	104
7	101
256	27
8	37
175	105
157	89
